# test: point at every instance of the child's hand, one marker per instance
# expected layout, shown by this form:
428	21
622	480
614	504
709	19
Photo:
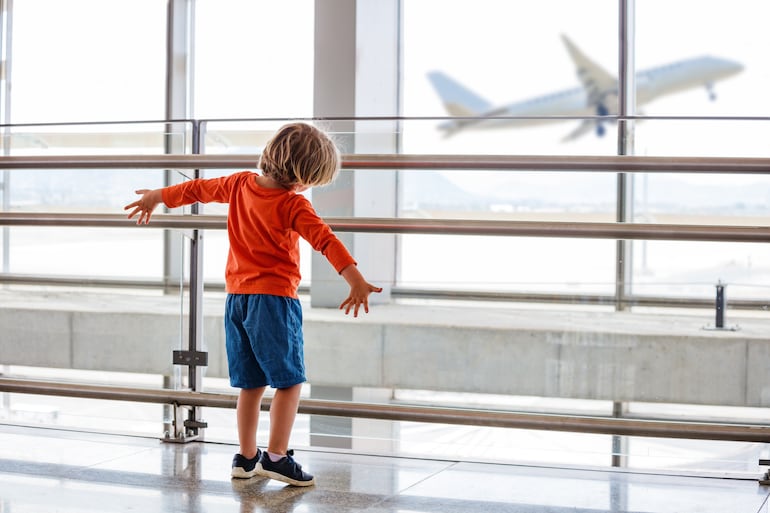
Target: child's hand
359	296
359	290
145	205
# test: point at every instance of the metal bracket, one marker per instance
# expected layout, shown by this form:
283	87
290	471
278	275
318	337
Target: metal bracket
185	430
191	358
765	479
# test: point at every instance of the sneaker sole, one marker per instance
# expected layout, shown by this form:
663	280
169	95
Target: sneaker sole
281	477
240	473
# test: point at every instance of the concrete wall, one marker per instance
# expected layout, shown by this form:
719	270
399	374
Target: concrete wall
586	355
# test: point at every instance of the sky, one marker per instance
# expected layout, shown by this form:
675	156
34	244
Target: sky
510	51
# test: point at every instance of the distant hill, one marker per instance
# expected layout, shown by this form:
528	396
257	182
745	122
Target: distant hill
430	190
594	192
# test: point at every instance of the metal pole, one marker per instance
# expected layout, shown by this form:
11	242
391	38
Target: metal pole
678	232
562	163
179	60
469	417
195	424
6	24
626	107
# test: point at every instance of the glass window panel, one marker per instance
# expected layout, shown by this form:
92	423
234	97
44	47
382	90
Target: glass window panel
507	264
692	269
87	252
81	60
94	252
253	59
505	59
518	63
673	32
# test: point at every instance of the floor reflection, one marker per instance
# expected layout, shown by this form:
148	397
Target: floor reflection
44	470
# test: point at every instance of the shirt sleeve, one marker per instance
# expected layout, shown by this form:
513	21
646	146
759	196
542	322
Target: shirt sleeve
306	222
211	190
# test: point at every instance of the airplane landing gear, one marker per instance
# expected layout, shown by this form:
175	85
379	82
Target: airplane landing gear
600	130
712	93
601	110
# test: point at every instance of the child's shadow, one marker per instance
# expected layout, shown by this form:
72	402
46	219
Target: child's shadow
256	497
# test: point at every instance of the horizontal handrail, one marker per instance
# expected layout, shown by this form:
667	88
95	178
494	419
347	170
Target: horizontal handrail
394	412
183	222
565	163
398	292
327	119
631	231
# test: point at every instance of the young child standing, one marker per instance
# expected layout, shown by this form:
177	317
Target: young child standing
263	316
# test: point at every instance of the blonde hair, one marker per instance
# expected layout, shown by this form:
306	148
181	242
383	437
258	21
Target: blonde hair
300	154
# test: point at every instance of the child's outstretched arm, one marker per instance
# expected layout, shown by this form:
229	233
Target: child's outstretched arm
145	205
359	290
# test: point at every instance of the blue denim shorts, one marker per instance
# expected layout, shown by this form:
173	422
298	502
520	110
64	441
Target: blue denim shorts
263	337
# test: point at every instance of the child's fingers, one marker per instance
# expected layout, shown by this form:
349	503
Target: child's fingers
356	304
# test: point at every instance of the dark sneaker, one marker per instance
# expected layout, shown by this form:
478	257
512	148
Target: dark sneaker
285	469
244	468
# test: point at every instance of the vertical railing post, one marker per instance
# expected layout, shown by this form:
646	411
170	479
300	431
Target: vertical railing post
626	107
179	58
191	428
624	213
6	25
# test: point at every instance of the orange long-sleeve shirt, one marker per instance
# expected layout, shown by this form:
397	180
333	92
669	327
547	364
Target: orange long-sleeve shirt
263	227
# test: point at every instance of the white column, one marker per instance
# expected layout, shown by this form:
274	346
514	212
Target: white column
357	63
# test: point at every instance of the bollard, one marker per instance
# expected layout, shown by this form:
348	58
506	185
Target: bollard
721	307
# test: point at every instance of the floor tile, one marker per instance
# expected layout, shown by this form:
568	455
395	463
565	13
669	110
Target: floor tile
46	471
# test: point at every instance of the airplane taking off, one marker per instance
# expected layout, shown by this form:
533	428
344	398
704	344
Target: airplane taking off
598	95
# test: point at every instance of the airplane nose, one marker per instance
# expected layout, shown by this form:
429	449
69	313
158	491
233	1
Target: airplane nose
733	67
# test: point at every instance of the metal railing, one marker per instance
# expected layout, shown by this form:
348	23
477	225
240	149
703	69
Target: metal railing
591	230
395	412
565	163
617	231
617	426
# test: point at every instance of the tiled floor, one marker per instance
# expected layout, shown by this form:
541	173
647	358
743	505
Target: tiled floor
45	470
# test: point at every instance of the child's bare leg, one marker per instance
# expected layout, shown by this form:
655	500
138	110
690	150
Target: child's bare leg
283	411
247	413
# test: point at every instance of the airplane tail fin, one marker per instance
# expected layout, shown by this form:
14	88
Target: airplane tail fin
457	99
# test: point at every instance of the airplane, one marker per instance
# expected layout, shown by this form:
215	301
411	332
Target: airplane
598	95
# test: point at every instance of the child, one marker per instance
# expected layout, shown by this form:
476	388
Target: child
263	316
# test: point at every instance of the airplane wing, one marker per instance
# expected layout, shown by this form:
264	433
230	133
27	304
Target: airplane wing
585	126
597	82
